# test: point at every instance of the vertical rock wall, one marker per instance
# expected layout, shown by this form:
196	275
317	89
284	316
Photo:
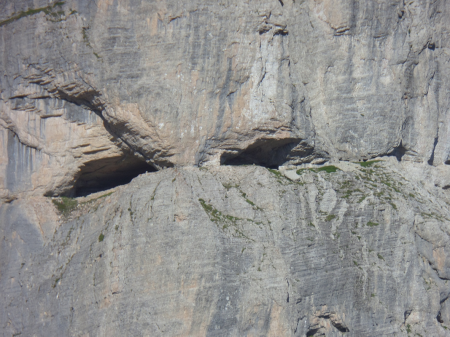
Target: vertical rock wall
202	82
235	251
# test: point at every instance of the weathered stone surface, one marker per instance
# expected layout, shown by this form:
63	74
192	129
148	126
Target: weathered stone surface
238	251
203	82
94	93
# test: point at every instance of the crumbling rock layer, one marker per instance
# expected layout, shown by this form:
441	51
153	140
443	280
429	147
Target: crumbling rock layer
178	83
233	251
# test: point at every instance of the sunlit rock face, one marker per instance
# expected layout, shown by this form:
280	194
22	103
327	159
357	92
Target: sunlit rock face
191	137
232	251
177	83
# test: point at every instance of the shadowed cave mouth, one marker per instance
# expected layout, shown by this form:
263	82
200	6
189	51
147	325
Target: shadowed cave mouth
270	153
398	152
103	174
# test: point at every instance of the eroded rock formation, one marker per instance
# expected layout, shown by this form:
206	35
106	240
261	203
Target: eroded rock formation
220	113
233	251
177	83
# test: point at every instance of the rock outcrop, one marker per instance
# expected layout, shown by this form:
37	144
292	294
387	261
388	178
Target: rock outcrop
215	155
233	251
205	83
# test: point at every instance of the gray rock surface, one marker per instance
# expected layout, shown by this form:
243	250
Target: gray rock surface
233	251
96	93
179	83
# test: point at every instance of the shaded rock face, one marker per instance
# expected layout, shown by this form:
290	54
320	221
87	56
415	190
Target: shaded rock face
359	251
177	83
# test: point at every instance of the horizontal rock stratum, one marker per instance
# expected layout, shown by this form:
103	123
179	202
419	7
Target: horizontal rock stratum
176	83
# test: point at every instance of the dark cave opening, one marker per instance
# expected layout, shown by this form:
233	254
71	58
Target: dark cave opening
103	174
398	152
311	332
269	153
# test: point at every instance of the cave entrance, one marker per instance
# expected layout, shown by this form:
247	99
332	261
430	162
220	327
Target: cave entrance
103	174
269	153
398	152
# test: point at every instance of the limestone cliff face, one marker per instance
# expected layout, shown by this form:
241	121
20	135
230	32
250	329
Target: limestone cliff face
184	96
233	251
177	83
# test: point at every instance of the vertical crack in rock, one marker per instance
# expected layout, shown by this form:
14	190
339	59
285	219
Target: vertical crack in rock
431	160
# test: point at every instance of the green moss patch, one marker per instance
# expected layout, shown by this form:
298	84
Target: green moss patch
65	205
227	222
281	178
327	169
32	11
229	186
277	173
330	217
367	163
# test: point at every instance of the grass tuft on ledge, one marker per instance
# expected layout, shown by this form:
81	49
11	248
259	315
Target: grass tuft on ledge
327	169
65	205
